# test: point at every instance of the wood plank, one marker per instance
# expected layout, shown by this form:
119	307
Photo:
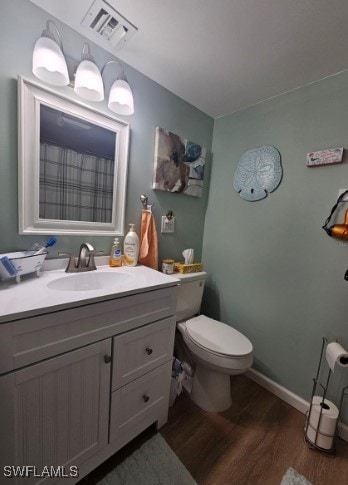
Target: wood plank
246	445
250	443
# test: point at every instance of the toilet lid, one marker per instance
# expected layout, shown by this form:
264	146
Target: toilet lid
218	337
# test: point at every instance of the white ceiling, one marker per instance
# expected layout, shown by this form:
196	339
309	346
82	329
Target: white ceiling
224	55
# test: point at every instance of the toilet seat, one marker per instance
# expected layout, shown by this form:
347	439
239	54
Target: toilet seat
218	338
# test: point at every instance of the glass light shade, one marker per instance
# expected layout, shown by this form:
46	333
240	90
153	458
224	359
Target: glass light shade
49	63
121	98
88	81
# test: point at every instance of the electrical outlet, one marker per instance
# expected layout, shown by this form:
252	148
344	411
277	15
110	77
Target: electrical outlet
168	225
345	198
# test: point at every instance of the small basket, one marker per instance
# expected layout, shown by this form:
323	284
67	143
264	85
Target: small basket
24	262
188	268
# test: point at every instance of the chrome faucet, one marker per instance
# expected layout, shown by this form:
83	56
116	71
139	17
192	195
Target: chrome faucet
85	260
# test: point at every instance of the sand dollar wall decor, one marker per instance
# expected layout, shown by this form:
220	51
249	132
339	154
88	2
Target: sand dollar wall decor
259	172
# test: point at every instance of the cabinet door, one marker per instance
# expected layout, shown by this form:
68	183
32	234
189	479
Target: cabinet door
56	412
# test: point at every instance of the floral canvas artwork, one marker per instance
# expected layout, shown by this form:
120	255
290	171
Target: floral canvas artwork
179	164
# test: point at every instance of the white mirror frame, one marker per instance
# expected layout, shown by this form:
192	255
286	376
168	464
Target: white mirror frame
31	95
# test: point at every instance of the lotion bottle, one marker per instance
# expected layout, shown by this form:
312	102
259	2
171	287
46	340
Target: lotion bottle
116	254
131	247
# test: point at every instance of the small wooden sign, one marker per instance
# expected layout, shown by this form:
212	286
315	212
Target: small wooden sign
324	157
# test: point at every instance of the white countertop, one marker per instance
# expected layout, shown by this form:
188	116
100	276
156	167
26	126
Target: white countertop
32	296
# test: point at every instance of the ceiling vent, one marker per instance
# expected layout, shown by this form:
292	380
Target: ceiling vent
108	24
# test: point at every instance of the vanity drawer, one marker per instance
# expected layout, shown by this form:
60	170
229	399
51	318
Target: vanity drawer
139	404
140	351
29	340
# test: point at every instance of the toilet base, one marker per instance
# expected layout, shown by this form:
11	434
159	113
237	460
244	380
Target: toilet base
211	390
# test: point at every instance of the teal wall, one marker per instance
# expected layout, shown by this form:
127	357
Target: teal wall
21	23
273	272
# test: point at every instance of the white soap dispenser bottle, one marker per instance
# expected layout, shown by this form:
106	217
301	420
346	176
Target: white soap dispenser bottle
131	247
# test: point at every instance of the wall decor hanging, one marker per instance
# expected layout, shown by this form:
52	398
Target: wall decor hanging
338	231
179	164
259	172
324	157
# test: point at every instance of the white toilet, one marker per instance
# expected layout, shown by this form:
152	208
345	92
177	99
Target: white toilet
217	349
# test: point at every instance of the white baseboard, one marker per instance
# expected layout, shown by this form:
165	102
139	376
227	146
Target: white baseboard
289	397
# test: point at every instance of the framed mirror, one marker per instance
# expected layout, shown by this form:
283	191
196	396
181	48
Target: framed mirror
72	166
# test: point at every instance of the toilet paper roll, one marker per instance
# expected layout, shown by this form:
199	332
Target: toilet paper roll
336	354
325	442
329	415
328	421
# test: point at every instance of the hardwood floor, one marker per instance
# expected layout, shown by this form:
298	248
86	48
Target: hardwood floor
254	442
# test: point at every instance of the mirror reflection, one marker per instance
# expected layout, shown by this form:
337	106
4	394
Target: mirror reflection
76	168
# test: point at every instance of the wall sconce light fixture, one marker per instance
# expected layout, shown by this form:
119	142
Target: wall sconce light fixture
120	97
88	81
49	65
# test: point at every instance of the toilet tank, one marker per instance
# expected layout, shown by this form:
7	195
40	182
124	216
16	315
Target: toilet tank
189	295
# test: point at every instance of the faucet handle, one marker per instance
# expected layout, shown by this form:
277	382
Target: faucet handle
71	264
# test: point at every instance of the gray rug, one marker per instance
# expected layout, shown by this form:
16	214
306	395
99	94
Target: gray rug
154	463
291	477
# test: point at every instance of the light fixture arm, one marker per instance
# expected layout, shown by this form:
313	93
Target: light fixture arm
122	75
86	53
48	33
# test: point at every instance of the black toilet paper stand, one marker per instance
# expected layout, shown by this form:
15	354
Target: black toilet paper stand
317	385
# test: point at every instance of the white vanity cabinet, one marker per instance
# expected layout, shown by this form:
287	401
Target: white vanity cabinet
77	384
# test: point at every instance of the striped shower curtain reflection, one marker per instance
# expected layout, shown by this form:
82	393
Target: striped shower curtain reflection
75	186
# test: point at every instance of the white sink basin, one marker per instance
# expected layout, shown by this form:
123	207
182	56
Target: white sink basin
90	281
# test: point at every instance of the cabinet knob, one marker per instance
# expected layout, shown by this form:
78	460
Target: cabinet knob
148	350
107	359
145	397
